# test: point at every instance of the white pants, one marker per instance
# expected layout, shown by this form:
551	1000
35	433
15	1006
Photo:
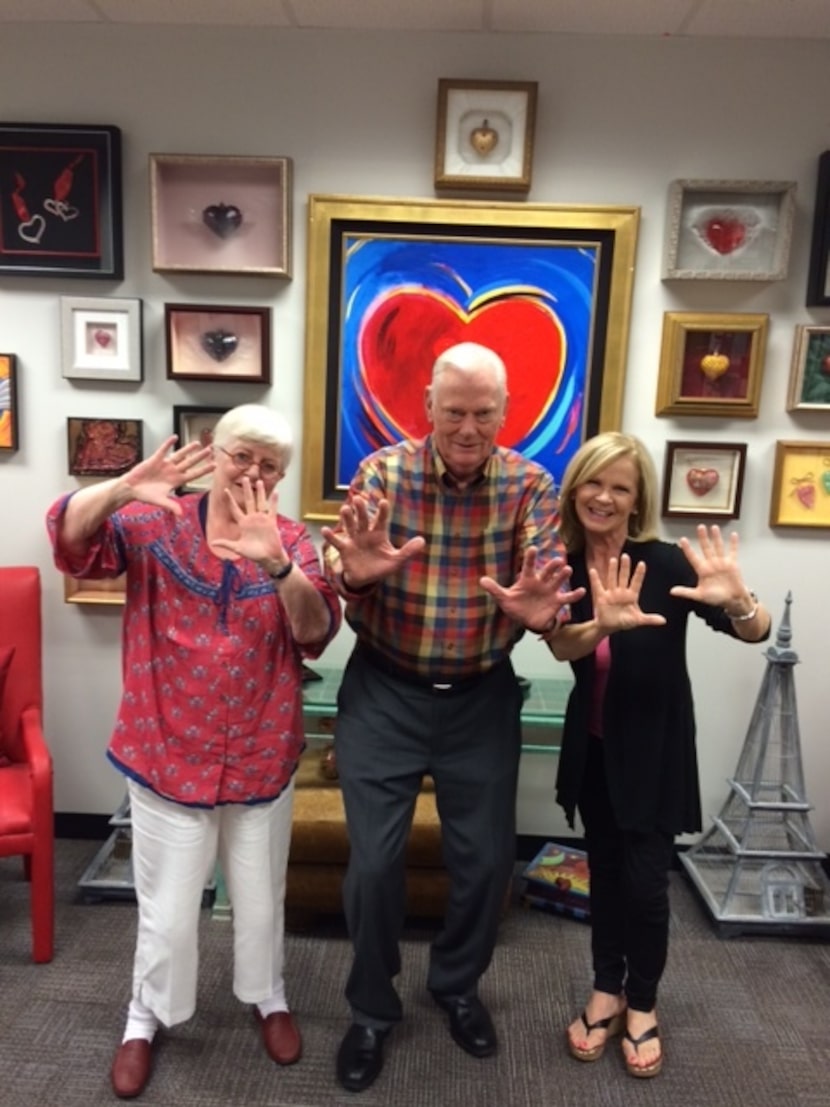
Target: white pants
174	850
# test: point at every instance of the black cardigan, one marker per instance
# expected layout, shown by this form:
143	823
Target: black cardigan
649	723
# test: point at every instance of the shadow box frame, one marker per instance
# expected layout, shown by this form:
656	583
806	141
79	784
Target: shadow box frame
689	490
102	339
809	385
60	201
462	259
721	230
9	419
801	485
229	215
192	422
197	335
818	273
685	388
491	108
126	445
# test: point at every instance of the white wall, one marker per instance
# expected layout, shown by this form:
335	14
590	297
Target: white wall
618	119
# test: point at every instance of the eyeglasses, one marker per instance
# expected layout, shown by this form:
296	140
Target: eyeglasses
242	460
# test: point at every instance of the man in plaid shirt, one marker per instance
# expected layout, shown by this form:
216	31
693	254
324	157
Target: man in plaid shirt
446	551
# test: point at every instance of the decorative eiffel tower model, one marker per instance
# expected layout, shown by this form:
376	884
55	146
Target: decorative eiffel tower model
758	869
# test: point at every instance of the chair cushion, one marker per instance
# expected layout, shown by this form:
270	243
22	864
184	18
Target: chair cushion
6	655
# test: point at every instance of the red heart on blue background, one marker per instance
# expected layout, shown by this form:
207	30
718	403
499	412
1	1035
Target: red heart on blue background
405	331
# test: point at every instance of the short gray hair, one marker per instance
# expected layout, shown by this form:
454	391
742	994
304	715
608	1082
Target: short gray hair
471	357
259	424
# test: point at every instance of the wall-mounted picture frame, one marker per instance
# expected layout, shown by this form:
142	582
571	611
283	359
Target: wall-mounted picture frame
194	423
711	364
110	592
703	480
809	388
801	485
547	287
484	135
206	342
221	214
60	201
103	447
728	230
8	404
101	339
818	274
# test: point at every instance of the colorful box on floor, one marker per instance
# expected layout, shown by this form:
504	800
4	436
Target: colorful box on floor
557	880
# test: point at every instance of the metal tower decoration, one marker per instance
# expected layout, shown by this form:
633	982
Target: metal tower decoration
758	868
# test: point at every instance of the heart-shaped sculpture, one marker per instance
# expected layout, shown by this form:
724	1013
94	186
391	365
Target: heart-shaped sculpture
714	365
484	138
806	493
728	230
222	219
702	481
219	344
60	208
102	338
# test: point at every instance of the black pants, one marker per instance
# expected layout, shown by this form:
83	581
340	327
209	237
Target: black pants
629	894
389	733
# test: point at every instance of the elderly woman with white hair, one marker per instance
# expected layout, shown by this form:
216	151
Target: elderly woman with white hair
224	599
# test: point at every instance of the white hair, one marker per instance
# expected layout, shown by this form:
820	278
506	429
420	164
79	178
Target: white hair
259	424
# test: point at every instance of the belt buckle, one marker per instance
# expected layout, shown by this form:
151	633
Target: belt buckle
441	687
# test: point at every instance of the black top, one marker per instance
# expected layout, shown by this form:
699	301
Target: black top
648	720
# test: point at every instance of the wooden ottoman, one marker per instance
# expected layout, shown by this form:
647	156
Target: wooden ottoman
320	850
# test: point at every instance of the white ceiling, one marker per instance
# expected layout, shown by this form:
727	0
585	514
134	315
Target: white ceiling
808	19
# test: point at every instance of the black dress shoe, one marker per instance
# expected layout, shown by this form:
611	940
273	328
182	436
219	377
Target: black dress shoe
360	1057
470	1024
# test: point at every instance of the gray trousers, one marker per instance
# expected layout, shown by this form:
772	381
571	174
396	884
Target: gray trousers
389	733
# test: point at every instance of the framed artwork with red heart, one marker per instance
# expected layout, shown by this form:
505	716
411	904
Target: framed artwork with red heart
703	480
728	230
195	424
392	284
221	214
60	201
206	342
484	135
101	339
103	447
801	485
711	364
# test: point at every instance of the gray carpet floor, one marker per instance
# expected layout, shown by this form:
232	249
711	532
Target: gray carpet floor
744	1020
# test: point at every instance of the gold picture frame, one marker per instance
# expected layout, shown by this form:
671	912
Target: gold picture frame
711	364
570	269
801	485
484	135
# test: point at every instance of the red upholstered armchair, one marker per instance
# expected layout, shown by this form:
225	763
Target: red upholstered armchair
26	817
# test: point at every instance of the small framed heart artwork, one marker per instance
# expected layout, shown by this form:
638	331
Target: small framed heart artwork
703	480
711	364
212	343
484	135
801	485
728	230
101	339
221	214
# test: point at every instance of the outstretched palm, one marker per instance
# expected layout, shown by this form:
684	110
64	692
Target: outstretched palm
535	597
259	537
154	480
617	600
719	577
362	540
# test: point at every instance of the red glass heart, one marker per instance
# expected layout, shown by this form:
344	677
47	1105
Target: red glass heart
725	235
702	481
103	338
807	494
405	331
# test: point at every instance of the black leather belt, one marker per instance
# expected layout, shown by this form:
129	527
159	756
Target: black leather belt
440	687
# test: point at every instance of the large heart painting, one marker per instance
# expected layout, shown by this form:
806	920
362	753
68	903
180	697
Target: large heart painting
405	302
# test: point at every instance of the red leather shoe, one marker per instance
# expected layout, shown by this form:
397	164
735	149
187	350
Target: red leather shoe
280	1036
131	1068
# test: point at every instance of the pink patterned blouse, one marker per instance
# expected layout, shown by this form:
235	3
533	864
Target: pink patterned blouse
211	710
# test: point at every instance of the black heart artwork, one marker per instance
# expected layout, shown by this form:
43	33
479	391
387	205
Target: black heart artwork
219	344
222	219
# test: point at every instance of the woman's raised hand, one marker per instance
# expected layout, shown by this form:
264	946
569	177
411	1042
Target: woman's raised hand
156	478
617	599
